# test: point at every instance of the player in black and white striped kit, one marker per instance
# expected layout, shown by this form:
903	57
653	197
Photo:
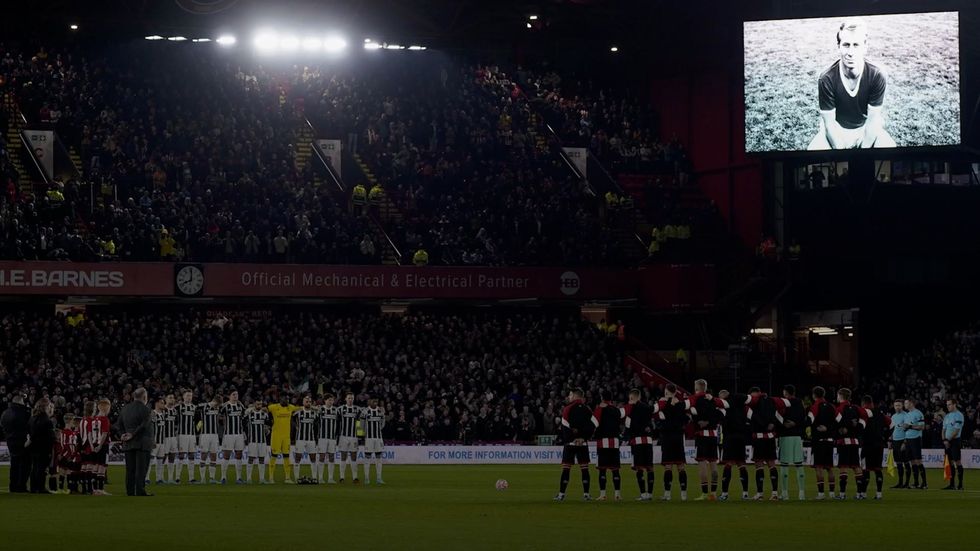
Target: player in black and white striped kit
208	415
373	419
233	419
259	424
326	444
347	444
160	434
186	436
305	424
170	437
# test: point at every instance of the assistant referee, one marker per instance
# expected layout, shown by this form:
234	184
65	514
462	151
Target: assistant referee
952	430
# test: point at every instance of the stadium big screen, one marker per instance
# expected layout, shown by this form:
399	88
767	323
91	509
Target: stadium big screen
881	81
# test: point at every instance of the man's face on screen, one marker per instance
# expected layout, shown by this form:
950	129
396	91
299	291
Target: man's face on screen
853	48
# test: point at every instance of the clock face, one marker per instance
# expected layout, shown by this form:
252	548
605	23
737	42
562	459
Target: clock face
190	280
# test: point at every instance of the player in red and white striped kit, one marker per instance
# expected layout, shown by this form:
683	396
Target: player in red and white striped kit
94	431
639	431
606	435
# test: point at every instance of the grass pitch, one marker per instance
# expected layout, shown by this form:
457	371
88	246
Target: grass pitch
457	507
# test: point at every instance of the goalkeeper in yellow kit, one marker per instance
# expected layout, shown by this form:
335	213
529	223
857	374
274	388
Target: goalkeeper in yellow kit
282	414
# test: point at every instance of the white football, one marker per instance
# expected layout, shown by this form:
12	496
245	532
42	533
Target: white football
502	484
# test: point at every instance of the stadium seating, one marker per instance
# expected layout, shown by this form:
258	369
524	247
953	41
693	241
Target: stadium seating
442	377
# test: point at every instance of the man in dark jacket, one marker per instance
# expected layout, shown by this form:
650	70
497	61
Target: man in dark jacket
13	423
135	425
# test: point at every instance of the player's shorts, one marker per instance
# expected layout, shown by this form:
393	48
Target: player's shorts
672	450
347	444
607	458
848	456
186	443
873	457
209	443
706	448
898	451
101	457
279	444
642	457
733	449
170	444
823	454
913	449
574	455
763	449
257	450
304	446
373	445
954	451
159	451
326	446
790	450
69	465
233	442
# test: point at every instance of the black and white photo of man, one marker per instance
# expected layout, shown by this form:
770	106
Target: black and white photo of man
852	96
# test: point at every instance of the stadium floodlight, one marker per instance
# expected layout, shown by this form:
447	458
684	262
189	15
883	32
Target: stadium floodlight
266	42
367	40
372	46
154	37
200	40
176	38
529	25
312	44
614	49
394	47
533	17
73	27
762	331
334	44
288	43
226	40
416	48
821	329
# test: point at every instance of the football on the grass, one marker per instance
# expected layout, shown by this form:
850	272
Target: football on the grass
502	484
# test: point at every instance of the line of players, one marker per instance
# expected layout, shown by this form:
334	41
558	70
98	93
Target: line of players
263	433
81	451
773	426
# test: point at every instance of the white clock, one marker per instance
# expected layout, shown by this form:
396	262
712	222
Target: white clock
190	280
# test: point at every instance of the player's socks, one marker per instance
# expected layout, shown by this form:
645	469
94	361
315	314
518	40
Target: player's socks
759	476
640	483
296	466
915	474
586	480
330	467
714	481
563	483
377	467
617	481
843	483
272	467
171	469
602	482
287	464
800	481
901	476
784	478
668	480
319	471
831	485
367	470
959	475
650	478
774	479
743	478
922	473
704	489
354	467
682	479
726	479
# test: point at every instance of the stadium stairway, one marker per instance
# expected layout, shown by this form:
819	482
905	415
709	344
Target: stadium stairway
303	144
15	124
388	214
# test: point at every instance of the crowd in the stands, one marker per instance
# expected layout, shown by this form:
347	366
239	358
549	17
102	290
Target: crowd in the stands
463	377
